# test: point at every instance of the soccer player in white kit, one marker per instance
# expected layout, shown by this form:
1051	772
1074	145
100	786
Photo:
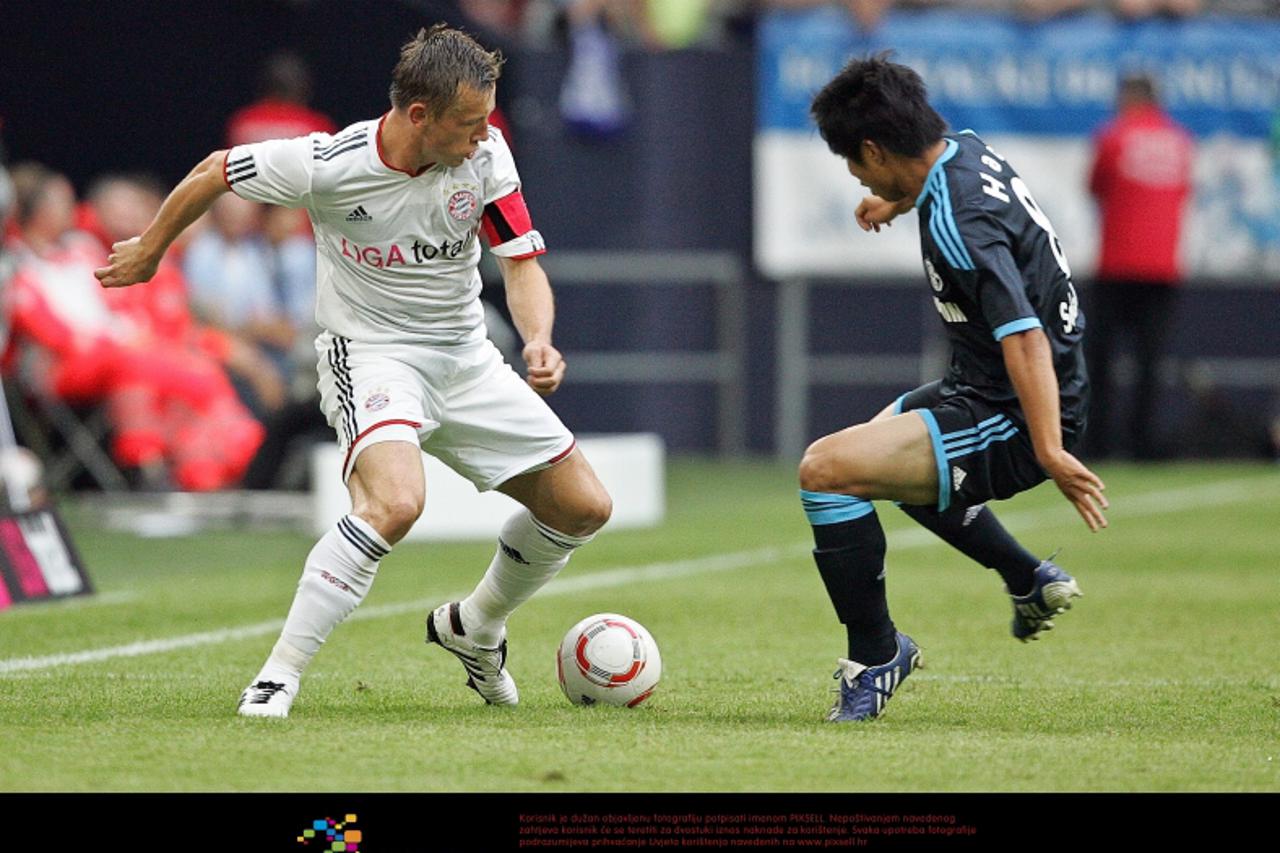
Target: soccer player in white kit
398	205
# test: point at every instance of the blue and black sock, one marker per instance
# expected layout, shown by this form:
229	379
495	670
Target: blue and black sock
850	557
977	533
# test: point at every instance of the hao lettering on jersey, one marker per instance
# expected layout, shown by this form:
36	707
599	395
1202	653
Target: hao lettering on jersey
996	267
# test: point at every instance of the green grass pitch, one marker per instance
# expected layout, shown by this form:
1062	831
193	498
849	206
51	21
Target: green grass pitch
1165	676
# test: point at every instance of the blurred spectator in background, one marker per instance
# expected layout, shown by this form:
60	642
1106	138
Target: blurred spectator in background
231	270
502	18
1141	178
282	109
593	99
6	204
174	415
114	204
653	24
116	208
291	255
676	24
1138	9
299	422
867	13
1041	9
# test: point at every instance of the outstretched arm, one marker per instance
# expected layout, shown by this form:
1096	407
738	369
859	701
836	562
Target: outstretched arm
533	310
136	259
1029	360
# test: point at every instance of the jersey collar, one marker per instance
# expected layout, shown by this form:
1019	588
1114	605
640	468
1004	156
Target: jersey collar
952	148
377	138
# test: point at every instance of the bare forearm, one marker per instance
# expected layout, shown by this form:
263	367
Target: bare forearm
1029	360
188	201
136	259
529	298
533	310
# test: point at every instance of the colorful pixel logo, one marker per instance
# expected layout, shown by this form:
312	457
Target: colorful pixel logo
333	835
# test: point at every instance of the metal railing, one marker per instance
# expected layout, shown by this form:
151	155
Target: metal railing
798	369
724	367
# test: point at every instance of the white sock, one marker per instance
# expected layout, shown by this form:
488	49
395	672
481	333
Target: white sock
337	575
529	554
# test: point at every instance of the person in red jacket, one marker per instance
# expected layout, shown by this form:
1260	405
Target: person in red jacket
282	109
1141	178
174	415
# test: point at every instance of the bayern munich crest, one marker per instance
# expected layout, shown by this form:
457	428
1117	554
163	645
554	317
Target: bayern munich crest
377	401
462	204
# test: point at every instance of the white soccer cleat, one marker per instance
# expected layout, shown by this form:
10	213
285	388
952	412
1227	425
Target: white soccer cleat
486	668
266	699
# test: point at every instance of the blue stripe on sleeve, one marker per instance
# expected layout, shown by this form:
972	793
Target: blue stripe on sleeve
949	220
941	237
936	169
897	404
1014	326
826	508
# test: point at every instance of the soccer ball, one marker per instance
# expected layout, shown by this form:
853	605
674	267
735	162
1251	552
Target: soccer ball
608	659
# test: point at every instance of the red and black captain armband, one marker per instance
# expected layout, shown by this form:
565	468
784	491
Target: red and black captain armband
506	219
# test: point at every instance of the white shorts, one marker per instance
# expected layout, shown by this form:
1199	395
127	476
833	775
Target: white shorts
464	405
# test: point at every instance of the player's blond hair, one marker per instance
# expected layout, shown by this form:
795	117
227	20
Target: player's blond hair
436	63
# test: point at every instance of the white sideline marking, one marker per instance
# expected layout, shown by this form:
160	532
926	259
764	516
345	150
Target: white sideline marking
1149	503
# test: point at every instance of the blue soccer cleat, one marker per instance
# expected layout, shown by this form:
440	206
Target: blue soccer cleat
1050	595
865	689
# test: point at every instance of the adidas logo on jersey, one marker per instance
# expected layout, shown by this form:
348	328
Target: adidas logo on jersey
359	215
957	477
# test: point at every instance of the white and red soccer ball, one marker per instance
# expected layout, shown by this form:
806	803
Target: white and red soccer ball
608	659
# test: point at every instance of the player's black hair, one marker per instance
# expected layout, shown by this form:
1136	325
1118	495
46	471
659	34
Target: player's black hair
436	62
873	98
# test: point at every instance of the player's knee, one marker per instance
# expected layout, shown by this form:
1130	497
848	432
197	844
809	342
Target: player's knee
392	515
818	472
824	470
590	512
601	510
581	513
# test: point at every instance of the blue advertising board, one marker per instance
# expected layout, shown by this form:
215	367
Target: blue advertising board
1053	77
1037	91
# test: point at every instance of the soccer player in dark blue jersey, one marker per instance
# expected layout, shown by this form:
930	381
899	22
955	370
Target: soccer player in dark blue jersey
1001	420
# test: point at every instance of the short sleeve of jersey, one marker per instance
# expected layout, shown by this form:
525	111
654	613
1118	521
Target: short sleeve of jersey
1000	291
506	222
277	171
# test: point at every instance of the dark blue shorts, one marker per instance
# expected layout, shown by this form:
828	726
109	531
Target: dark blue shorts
983	451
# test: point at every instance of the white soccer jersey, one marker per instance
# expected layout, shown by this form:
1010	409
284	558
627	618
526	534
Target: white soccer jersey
396	254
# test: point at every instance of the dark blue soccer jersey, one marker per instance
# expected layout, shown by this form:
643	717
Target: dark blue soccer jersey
996	267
